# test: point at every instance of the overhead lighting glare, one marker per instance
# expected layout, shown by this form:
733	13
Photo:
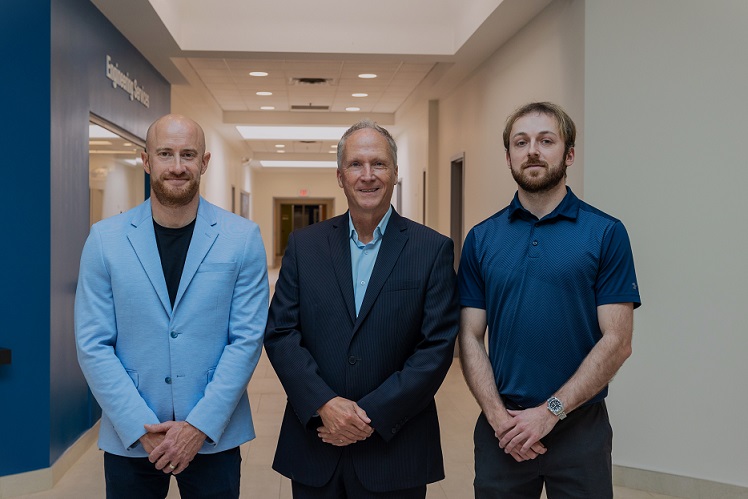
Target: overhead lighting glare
257	73
264	93
298	164
267	108
280	145
367	75
361	94
99	143
280	151
353	109
97	132
291	132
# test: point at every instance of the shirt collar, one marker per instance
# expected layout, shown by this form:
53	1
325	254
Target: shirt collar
378	231
567	208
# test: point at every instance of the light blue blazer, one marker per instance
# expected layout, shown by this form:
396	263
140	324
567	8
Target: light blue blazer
146	363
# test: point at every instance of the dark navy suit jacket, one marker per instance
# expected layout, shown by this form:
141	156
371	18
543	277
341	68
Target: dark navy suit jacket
391	359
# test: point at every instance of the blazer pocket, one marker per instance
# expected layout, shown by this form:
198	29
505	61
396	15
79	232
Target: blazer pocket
217	267
401	284
133	376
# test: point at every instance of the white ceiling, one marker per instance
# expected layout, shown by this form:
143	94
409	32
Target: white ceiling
417	48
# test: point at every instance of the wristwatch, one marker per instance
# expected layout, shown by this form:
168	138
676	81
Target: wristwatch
556	407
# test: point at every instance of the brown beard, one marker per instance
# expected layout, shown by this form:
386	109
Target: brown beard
542	183
174	197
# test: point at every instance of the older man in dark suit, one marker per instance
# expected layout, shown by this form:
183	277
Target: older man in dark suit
361	332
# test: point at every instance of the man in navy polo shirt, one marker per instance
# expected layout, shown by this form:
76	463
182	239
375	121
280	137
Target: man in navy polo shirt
553	279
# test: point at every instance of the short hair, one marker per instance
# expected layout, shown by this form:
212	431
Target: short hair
566	126
367	123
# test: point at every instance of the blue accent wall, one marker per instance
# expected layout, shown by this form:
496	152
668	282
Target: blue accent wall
54	75
24	290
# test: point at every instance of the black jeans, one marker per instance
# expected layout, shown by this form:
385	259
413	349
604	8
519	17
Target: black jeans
577	463
209	476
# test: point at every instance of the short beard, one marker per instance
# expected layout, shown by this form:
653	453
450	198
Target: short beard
175	197
542	183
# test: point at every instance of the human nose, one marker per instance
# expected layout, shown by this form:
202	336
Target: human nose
532	149
177	164
367	172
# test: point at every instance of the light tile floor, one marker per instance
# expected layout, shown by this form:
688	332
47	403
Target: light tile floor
457	414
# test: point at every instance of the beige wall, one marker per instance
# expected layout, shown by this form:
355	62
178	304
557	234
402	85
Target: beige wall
544	61
666	107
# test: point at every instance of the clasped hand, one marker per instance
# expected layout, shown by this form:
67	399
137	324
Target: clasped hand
520	434
172	445
344	422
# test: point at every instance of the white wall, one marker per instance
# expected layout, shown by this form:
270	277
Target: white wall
665	125
320	183
544	61
412	157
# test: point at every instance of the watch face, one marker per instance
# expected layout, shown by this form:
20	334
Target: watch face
555	405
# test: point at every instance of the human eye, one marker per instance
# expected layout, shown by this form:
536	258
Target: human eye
380	165
520	143
164	154
546	141
189	156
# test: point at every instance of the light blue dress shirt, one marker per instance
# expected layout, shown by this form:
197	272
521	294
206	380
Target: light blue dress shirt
363	257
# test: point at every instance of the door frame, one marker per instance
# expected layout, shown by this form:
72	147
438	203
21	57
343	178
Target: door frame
277	202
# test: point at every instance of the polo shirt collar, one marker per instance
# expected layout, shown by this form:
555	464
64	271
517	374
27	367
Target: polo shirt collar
567	208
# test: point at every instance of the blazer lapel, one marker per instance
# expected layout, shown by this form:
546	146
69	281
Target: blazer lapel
340	252
393	242
143	240
203	237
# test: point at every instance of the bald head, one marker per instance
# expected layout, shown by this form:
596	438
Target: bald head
173	123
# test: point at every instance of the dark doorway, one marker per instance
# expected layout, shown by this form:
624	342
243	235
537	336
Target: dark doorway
456	205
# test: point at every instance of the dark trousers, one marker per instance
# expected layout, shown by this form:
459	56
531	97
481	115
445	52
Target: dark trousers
577	463
209	476
344	484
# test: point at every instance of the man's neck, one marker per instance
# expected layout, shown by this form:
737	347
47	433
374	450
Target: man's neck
174	217
365	224
541	204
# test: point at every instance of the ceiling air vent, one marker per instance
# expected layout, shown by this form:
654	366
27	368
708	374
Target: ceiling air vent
320	82
309	107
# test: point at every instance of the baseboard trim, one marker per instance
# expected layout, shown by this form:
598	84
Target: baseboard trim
44	479
683	487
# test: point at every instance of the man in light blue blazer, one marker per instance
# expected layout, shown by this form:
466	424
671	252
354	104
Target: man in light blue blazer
169	315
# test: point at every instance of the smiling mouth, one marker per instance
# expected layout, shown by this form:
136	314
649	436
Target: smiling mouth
369	190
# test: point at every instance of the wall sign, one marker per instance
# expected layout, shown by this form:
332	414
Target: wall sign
122	80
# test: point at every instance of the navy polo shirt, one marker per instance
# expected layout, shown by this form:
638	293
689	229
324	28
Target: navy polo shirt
540	282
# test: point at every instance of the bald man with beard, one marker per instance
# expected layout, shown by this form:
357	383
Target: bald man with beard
170	312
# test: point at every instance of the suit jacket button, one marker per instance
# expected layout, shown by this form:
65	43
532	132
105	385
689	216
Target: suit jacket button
167	380
351	360
394	430
174	334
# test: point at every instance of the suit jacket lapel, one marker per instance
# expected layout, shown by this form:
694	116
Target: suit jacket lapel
203	237
143	240
393	242
340	252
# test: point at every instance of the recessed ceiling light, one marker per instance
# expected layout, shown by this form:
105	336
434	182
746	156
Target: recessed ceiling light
280	151
353	109
264	93
257	73
361	94
99	143
126	144
334	146
270	132
280	146
367	75
267	108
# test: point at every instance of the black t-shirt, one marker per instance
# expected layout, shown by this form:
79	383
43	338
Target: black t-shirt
172	248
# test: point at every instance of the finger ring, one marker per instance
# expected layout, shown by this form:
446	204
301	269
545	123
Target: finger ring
172	466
